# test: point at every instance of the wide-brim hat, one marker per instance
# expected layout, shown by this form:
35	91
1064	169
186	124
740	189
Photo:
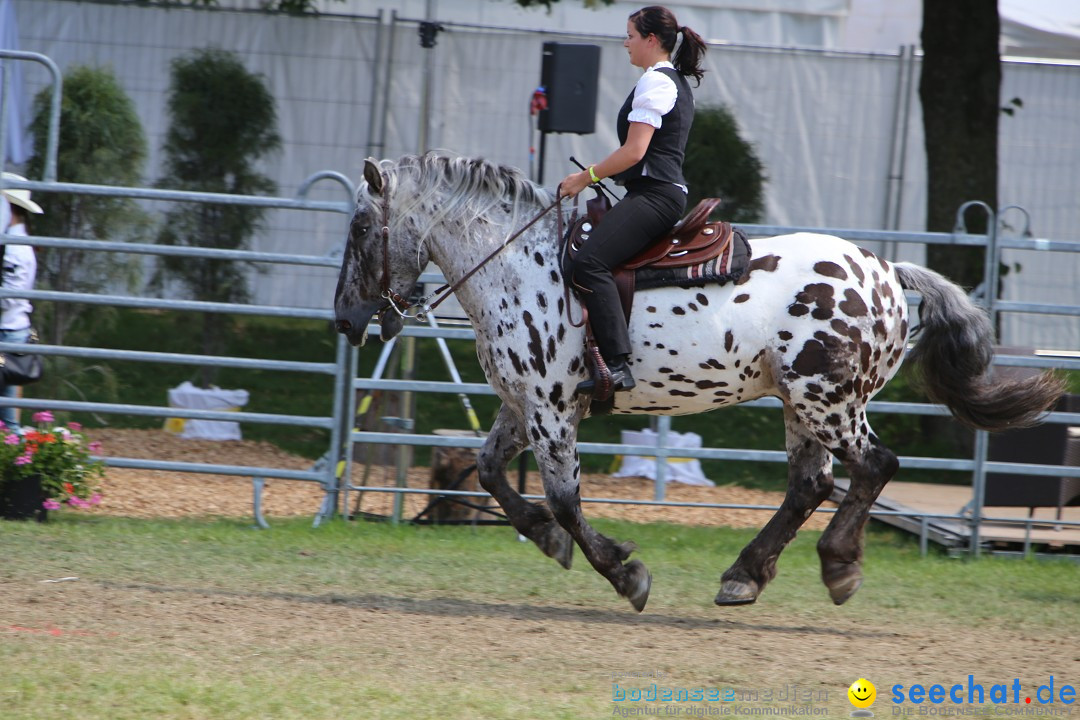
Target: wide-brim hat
20	197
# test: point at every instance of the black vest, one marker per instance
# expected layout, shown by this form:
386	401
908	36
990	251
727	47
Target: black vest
664	158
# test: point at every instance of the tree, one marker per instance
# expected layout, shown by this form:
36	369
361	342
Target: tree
101	142
719	163
960	89
223	120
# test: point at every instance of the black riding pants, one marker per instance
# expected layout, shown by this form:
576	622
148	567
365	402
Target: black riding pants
649	209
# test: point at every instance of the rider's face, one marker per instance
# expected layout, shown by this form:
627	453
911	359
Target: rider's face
639	48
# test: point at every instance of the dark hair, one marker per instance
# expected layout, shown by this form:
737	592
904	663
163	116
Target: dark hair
20	213
659	21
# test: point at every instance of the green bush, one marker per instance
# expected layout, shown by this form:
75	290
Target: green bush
719	163
101	143
223	121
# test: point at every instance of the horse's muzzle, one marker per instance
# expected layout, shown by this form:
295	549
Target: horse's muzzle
353	322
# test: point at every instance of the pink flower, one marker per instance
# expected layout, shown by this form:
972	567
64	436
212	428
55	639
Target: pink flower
75	427
24	459
95	499
11	439
43	417
50	504
78	502
95	447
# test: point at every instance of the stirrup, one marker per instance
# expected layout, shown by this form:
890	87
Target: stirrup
607	380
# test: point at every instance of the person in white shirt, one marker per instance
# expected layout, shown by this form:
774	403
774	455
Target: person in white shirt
653	126
19	272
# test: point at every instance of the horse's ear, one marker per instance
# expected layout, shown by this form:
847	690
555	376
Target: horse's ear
373	175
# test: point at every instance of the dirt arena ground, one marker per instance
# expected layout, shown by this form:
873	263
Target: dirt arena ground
552	645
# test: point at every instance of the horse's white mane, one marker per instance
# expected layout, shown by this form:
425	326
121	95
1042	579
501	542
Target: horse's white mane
455	189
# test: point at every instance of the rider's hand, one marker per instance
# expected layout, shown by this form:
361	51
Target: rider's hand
574	183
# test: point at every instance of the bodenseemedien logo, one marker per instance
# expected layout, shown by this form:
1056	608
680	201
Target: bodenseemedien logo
862	695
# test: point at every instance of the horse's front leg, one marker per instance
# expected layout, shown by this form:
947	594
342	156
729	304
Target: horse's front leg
505	441
554	445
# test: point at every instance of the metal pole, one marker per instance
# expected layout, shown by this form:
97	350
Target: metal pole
408	371
5	74
387	80
982	443
906	117
52	141
375	148
334	468
345	475
982	438
425	93
663	427
891	161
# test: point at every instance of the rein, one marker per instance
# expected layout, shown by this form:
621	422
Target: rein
401	305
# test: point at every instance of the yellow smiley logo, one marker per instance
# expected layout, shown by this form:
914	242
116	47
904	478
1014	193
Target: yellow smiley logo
862	693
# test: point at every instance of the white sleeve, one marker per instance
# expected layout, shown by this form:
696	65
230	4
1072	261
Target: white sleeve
654	96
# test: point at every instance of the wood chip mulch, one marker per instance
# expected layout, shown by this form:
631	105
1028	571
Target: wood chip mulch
155	493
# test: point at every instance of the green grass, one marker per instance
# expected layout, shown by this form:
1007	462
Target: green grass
211	619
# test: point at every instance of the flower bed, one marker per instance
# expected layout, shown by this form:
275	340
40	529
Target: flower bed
55	457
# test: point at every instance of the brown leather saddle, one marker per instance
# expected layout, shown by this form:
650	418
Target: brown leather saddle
693	240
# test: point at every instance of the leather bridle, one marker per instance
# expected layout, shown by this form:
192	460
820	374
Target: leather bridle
401	305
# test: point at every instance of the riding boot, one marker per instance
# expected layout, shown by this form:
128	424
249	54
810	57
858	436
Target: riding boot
621	379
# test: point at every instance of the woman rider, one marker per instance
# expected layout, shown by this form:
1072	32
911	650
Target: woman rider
652	125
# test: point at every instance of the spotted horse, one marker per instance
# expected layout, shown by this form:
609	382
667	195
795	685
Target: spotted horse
816	321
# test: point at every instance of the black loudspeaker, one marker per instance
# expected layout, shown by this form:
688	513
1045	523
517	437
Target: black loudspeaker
570	73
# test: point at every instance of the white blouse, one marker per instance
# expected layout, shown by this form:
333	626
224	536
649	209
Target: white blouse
654	96
20	267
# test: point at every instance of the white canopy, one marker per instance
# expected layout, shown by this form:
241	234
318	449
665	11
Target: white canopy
1041	28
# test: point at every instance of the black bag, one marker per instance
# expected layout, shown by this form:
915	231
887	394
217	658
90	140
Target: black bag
21	368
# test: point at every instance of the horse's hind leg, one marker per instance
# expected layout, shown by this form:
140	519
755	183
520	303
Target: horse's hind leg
871	465
505	441
810	482
561	470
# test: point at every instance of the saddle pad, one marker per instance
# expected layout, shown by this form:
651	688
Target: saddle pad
727	267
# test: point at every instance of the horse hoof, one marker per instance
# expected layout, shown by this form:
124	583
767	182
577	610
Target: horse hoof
842	581
734	592
639	580
842	591
556	543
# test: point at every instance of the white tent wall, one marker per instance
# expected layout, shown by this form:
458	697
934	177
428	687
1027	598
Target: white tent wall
824	123
815	23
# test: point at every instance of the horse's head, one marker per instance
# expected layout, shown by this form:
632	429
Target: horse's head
382	260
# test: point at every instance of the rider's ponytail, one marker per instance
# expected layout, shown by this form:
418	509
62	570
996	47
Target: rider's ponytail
659	21
691	51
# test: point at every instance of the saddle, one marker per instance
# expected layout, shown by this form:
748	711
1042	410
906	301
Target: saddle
693	253
693	242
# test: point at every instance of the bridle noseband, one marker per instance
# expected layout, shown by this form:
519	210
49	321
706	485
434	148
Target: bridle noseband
401	305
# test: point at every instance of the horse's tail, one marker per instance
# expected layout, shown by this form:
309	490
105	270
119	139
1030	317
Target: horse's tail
954	349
